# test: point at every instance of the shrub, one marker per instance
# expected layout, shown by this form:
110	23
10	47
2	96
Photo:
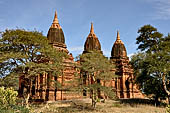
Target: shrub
168	109
7	97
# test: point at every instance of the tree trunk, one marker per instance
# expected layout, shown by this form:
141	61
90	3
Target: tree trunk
156	101
93	103
93	99
27	99
165	88
168	100
164	85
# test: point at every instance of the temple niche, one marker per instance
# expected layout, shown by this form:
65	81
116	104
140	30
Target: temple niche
43	88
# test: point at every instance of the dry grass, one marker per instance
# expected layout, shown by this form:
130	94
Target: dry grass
84	106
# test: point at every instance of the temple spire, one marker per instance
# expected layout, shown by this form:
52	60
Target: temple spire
92	29
55	23
118	36
55	18
92	34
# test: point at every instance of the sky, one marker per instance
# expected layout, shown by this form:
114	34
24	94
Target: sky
75	17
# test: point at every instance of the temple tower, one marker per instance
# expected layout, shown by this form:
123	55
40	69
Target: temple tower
43	87
125	88
92	43
56	36
118	49
120	59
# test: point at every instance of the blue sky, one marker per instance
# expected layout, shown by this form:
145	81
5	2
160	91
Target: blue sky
75	17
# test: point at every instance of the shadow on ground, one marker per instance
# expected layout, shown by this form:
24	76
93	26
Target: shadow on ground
134	102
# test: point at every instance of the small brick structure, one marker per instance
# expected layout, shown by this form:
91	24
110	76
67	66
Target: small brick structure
42	86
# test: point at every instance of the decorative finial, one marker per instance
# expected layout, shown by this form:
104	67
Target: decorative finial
55	18
118	36
92	29
55	23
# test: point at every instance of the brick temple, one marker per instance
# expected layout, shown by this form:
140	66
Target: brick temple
42	88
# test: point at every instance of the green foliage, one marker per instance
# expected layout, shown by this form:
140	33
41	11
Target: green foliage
15	109
28	53
149	83
96	63
148	37
7	97
10	81
96	69
152	63
168	109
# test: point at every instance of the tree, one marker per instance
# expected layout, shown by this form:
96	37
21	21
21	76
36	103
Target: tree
96	71
152	63
148	83
148	37
10	81
27	53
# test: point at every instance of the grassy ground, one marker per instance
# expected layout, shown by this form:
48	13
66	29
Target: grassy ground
84	106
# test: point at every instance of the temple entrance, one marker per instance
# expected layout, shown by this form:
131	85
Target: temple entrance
127	83
47	95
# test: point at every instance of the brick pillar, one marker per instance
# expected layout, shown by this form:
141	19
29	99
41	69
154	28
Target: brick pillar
38	86
52	89
131	90
124	86
44	86
118	86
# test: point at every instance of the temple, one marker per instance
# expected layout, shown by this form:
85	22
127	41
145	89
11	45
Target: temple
43	89
124	85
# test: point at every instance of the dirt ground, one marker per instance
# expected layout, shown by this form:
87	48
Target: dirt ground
84	106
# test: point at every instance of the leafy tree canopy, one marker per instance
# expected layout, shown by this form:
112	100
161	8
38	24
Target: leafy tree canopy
152	63
27	53
148	37
96	68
